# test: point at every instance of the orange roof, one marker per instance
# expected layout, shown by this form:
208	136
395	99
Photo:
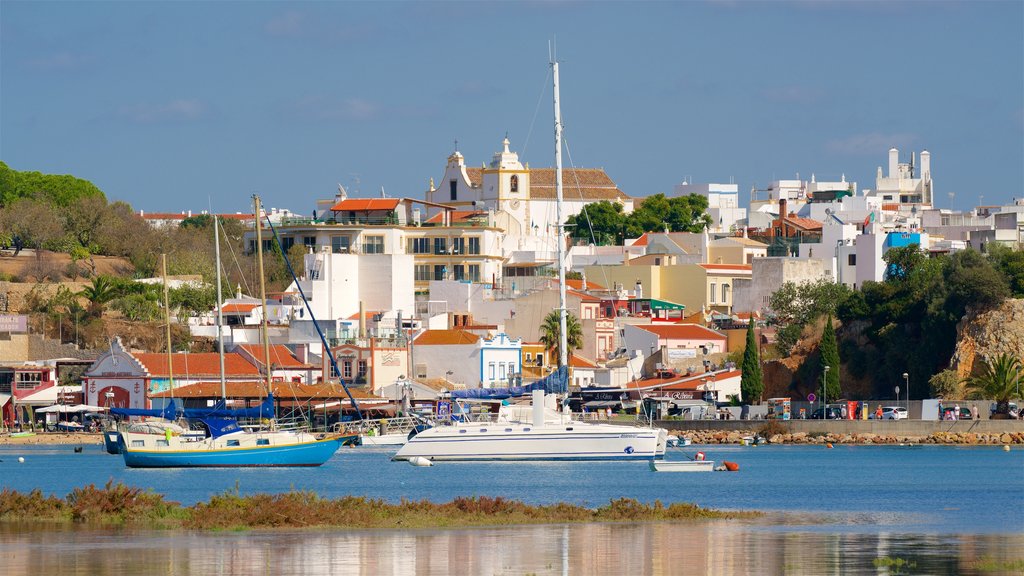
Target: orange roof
583	296
580	362
431	337
456	216
280	356
682	331
238	308
641	241
367	316
805	223
578	284
255	389
198	364
683	381
366	204
746	267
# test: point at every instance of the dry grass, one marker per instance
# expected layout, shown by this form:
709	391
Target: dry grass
117	504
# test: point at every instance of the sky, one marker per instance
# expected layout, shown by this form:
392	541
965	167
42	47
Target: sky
174	106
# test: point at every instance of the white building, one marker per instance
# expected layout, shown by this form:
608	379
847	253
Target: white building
905	183
723	204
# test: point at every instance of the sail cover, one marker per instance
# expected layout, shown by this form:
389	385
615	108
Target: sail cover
168	412
555	383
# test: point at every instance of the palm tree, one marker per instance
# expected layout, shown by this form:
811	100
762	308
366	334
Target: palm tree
101	291
999	381
550	331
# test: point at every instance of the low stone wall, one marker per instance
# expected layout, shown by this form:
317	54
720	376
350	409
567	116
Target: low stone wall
852	431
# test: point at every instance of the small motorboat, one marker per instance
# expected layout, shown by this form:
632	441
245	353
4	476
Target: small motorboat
682	465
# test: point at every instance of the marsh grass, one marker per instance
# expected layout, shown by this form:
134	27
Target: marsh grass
117	504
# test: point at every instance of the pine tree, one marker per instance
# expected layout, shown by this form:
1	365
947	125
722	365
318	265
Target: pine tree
751	384
830	357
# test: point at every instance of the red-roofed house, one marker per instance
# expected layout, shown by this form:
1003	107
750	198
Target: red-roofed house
284	365
678	340
721	385
463	357
130	377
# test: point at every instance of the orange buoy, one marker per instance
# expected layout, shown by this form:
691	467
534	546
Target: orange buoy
731	466
829	445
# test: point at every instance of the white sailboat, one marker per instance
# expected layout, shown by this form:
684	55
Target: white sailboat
538	431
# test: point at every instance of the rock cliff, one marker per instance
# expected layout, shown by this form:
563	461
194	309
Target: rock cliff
983	336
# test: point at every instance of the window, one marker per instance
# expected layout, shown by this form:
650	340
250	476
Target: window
340	244
346	369
458	245
474	245
440	245
713	294
422	272
529	356
514	183
439	272
851	259
459	272
373	245
6	378
474	273
263	442
501	370
453	187
362	369
233	443
286	243
29	380
490	370
419	245
309	241
162	442
725	293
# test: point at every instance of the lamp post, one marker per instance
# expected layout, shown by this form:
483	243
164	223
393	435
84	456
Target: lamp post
906	381
824	393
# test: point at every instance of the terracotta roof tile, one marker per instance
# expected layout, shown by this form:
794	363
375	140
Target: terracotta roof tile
736	267
588	183
238	308
198	364
255	389
280	356
365	204
580	362
435	337
683	331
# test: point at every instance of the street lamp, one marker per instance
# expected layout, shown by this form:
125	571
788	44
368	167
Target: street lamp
824	394
906	381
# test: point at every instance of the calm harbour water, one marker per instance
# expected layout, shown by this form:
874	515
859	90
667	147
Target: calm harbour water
875	509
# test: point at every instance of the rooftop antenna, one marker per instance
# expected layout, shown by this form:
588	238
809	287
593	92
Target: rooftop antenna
456	144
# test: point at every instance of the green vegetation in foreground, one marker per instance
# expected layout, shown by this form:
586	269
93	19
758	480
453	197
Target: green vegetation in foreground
117	504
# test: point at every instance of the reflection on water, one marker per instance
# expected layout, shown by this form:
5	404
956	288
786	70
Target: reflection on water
702	548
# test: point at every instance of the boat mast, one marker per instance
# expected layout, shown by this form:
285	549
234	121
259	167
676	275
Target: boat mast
167	318
263	289
562	336
220	312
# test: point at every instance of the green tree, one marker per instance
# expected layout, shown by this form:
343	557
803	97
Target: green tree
98	293
58	189
901	262
998	381
793	306
830	357
602	223
550	331
751	383
1010	264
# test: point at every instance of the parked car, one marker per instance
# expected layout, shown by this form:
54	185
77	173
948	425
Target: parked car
834	413
896	413
949	411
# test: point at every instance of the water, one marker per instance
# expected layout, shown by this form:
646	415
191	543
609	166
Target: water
848	510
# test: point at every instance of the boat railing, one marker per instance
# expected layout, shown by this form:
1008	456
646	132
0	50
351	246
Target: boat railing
397	425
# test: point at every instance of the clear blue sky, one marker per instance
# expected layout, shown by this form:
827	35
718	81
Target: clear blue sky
166	104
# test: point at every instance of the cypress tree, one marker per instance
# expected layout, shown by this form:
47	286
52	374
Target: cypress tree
830	357
751	384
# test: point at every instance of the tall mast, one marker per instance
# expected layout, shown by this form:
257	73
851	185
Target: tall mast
263	289
220	311
167	318
562	336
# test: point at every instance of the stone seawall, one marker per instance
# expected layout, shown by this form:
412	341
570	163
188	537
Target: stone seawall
850	431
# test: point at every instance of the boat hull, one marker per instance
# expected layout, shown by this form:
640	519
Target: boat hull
682	465
384	440
579	441
204	455
112	441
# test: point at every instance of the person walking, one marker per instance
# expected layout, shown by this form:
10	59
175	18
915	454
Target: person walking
878	412
974	412
956	412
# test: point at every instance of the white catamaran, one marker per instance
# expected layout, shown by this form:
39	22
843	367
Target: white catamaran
539	431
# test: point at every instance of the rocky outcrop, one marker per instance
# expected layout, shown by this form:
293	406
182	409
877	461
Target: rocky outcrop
983	336
969	438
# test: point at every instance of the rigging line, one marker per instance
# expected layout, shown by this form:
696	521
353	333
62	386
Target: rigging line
323	339
536	110
590	225
241	275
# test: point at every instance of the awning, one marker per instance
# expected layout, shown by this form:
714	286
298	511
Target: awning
66	409
665	305
4	399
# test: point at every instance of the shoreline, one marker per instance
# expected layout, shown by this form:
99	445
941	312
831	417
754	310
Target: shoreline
703	437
